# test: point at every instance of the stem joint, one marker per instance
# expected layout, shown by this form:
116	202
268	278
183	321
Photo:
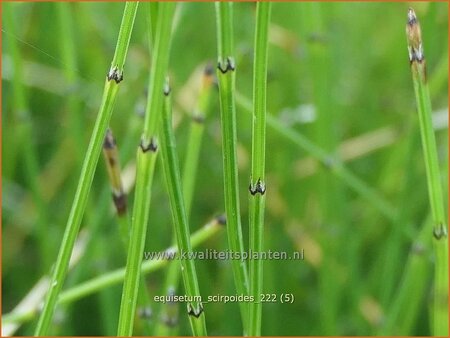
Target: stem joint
152	146
195	312
259	187
229	65
115	74
440	231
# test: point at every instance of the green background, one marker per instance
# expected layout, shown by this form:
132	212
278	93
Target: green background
338	74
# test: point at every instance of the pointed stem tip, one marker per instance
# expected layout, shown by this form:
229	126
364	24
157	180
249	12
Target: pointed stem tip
414	36
412	18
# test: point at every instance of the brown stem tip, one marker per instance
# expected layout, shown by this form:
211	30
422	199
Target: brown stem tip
109	142
414	37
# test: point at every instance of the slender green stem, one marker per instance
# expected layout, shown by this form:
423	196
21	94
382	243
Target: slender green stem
226	78
418	69
115	277
153	15
168	319
103	208
144	177
88	169
169	313
160	59
173	182
257	189
225	46
146	159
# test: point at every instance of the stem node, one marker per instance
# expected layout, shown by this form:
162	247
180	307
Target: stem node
152	146
229	65
115	74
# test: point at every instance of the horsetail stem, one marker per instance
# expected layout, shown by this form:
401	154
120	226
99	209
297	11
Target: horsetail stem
257	187
146	159
169	311
226	79
440	242
111	156
87	172
180	221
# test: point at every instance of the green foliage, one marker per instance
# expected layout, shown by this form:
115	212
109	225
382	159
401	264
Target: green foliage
344	168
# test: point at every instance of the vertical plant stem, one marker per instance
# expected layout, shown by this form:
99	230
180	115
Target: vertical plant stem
173	182
112	162
226	78
146	158
113	79
257	187
440	241
169	311
111	156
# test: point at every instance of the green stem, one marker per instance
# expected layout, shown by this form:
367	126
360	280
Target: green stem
88	169
257	195
166	326
173	183
115	277
440	242
226	78
146	159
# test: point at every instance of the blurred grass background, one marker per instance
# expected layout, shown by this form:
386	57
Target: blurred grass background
338	74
